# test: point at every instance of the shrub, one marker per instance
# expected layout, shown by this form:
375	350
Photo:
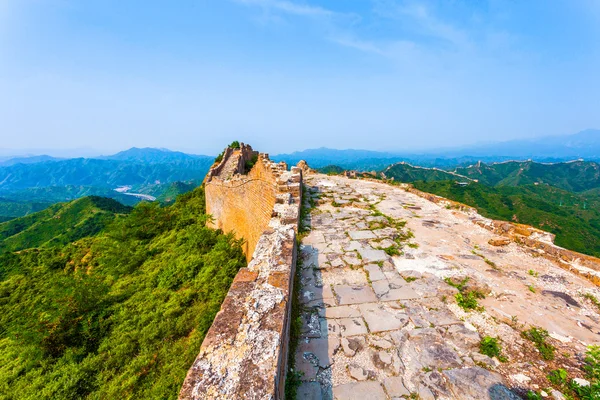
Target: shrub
491	348
592	363
533	396
459	285
538	337
592	369
392	251
467	301
558	377
250	163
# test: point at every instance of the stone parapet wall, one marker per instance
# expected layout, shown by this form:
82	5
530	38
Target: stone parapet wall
244	354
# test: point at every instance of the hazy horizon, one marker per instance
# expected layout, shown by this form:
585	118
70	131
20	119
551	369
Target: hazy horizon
91	153
386	75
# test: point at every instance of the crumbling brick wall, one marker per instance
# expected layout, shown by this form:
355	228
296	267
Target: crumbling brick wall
243	203
244	354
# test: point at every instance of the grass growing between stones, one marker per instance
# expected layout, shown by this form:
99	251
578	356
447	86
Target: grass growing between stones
391	222
293	378
491	347
533	396
466	299
558	377
404	235
576	388
532	273
485	259
538	336
303	228
392	251
593	299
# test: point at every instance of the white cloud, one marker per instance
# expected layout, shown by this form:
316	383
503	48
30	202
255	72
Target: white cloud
289	7
421	17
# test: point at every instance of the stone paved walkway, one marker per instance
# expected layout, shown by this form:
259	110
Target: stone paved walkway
380	322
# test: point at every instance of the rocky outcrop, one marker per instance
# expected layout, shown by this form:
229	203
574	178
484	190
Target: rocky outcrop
244	354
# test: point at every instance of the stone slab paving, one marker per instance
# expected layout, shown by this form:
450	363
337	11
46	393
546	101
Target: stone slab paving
377	326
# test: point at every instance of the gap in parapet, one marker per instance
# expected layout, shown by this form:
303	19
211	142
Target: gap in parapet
244	354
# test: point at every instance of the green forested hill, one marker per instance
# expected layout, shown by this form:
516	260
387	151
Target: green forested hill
175	189
331	170
27	201
577	176
562	198
10	208
572	217
167	192
407	173
117	315
56	194
60	223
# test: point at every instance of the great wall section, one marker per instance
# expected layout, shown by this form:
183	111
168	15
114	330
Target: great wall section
244	354
381	270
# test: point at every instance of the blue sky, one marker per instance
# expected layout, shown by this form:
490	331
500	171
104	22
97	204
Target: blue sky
287	75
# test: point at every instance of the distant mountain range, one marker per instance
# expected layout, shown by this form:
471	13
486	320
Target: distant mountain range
153	156
141	155
27	160
100	173
31	183
585	144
